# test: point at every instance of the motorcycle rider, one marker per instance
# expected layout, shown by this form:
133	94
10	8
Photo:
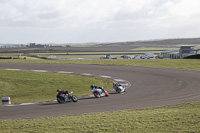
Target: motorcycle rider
65	96
115	85
92	86
96	87
118	87
101	89
63	92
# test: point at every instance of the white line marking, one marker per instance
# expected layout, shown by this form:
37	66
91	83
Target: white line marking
119	80
14	69
26	103
64	72
103	76
86	74
39	70
10	105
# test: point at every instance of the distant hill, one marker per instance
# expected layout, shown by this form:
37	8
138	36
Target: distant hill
117	46
174	41
161	42
125	46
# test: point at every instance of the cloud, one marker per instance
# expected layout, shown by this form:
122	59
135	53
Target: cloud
98	20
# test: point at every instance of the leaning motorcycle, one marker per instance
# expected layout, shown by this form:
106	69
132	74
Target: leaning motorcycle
62	98
99	92
118	88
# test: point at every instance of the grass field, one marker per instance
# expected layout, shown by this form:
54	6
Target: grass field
192	64
180	118
27	86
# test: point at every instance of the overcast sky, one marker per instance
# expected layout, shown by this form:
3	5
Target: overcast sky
81	21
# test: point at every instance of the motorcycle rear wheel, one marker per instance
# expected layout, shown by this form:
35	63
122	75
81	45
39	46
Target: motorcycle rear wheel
60	100
97	95
119	91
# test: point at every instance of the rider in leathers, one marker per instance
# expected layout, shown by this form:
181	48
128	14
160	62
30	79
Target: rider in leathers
96	87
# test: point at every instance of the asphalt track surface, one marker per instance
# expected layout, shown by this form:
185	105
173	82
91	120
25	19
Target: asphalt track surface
150	87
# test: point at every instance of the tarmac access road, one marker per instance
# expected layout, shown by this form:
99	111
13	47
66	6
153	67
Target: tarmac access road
150	87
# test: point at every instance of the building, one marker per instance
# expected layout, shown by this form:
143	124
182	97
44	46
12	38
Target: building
187	50
172	54
184	51
33	45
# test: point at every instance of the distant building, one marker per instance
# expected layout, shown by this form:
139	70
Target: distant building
184	51
172	54
187	50
33	45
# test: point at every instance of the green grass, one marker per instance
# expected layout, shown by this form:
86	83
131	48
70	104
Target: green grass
27	86
8	55
180	118
192	64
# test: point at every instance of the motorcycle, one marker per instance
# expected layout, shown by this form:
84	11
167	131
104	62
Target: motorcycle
118	88
99	91
61	97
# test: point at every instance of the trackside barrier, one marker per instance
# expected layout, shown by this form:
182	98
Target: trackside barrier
6	100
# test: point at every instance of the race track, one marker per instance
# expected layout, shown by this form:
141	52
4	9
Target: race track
150	87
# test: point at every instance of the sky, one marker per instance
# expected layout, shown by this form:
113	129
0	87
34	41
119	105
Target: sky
83	21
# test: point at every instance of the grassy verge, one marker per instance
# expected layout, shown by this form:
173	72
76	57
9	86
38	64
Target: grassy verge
192	64
180	118
27	86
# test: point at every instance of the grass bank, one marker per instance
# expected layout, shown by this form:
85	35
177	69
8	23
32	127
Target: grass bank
180	118
27	86
192	64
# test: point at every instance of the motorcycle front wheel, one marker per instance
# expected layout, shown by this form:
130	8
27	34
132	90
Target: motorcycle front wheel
74	99
107	94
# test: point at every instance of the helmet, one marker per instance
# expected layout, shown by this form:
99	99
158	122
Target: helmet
58	90
92	86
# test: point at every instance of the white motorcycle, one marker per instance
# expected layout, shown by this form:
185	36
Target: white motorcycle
118	88
99	91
